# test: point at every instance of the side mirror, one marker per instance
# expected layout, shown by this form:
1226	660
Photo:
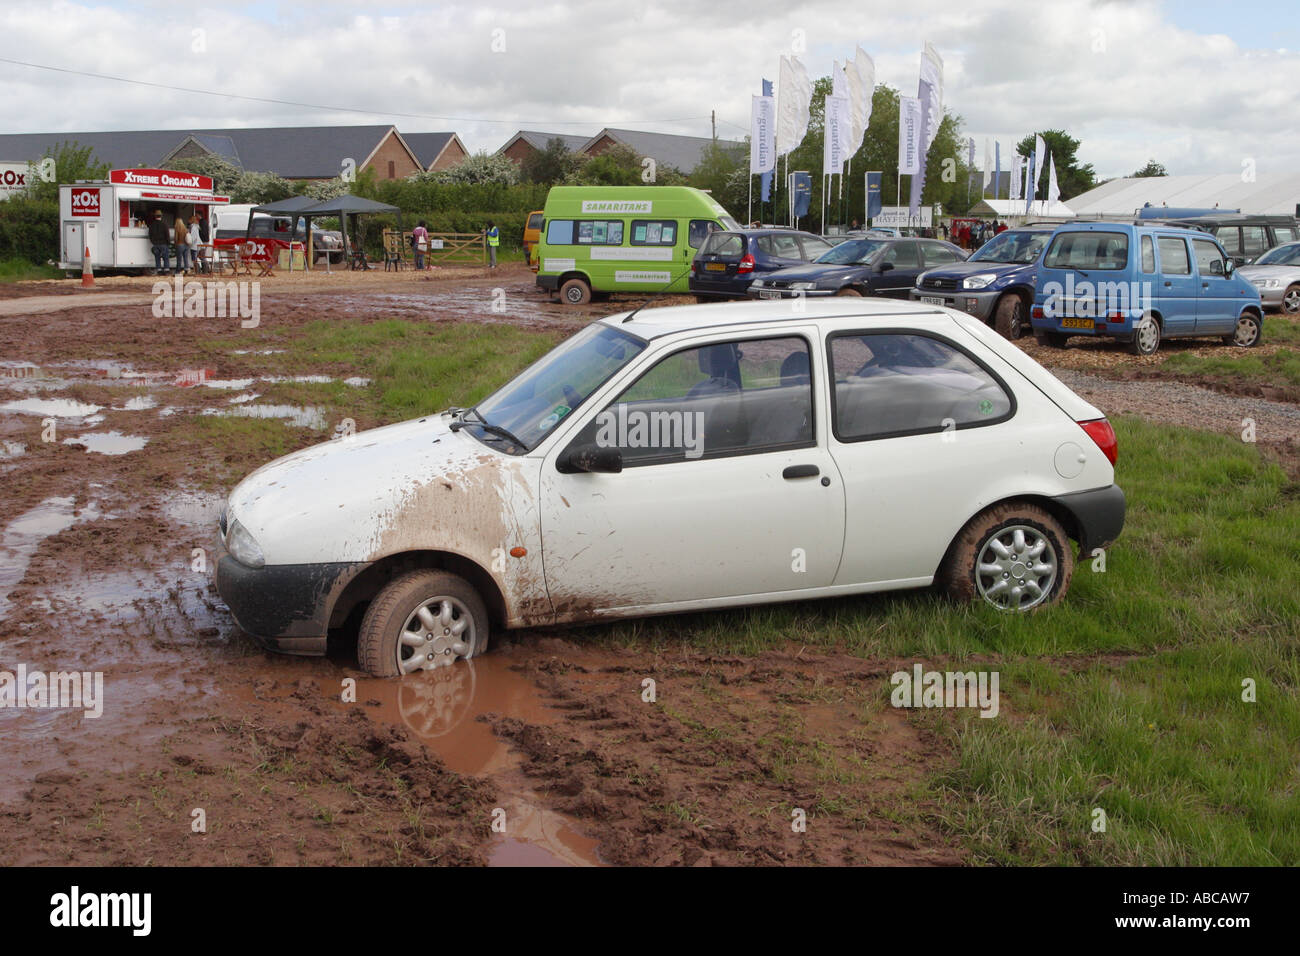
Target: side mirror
1229	268
593	459
884	267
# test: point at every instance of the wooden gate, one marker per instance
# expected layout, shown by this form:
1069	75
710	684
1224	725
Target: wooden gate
447	247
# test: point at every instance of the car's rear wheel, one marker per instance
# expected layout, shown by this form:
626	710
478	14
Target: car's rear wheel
1291	300
420	621
1051	339
1014	556
1247	334
575	292
1009	319
1146	336
849	290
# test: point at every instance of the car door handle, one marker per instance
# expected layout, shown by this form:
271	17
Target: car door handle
1205	285
1168	283
800	471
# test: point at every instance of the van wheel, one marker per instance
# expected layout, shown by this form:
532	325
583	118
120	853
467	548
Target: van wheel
1247	334
575	292
1146	336
1009	320
421	621
849	290
1291	300
1014	556
1053	340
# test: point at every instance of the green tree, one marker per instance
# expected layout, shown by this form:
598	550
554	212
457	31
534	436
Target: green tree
617	166
1072	177
72	162
723	172
1151	169
550	165
224	173
482	167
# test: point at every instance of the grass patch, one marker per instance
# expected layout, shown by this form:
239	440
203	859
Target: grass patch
1228	365
20	270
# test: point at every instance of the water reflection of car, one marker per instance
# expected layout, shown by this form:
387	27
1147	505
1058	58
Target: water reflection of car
868	266
1276	274
996	284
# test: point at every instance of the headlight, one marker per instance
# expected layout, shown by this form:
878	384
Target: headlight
979	281
1272	283
803	286
757	284
243	548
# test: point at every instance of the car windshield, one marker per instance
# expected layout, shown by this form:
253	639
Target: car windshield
1288	255
1019	248
852	252
554	386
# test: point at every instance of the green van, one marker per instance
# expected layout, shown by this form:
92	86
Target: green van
602	239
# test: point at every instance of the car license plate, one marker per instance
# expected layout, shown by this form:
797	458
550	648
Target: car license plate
931	300
715	267
1077	323
764	294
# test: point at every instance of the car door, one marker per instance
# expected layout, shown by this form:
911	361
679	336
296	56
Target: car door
1217	295
778	251
733	493
1176	286
896	269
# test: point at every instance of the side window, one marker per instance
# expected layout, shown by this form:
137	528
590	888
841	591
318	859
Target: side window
903	255
699	231
654	232
730	398
1230	236
1173	257
814	247
1148	255
1209	261
559	232
600	232
783	247
1254	240
889	384
937	254
1283	234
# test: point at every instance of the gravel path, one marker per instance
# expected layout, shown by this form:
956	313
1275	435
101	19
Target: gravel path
1190	406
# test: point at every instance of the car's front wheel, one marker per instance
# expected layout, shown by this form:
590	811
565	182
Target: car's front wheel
849	290
1009	319
1014	556
422	620
1247	334
1291	300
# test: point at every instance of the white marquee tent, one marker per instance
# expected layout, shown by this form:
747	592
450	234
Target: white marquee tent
1266	194
1014	209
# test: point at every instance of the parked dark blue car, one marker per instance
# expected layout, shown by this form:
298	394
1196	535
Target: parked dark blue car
996	284
884	267
729	261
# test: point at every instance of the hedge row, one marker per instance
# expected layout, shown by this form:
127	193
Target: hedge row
29	229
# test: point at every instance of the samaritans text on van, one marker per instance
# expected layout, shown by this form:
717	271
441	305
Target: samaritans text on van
623	238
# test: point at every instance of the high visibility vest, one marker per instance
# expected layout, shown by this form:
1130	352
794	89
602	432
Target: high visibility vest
494	236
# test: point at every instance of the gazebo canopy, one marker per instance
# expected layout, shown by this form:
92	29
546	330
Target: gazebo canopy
283	206
345	205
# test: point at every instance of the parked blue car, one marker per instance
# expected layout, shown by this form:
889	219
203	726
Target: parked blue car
996	284
1141	284
729	261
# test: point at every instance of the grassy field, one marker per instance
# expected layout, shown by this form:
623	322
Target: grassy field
19	270
1127	698
1272	367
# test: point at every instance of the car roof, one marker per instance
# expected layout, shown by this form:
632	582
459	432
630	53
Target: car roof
669	320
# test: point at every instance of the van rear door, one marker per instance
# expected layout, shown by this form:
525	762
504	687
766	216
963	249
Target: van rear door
1175	291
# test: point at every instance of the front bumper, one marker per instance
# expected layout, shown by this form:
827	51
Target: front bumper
285	606
1098	514
788	293
978	302
1271	298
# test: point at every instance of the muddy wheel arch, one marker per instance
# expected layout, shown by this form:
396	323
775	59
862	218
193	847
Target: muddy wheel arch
371	581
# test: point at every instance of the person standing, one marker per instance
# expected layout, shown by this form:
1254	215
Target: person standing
195	242
420	241
493	240
181	236
161	242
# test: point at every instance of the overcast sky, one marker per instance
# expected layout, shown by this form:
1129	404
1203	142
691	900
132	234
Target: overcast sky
1197	85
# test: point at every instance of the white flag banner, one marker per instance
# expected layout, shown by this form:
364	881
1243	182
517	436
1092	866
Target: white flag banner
1040	151
835	134
988	162
856	128
865	67
762	135
1017	175
1053	190
909	135
794	99
839	83
932	73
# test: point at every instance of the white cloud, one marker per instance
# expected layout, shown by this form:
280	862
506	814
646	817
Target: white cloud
1119	76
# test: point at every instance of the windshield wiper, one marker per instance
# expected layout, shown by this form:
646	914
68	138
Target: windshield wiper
487	426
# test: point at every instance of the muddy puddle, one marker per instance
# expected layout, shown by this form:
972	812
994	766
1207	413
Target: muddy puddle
441	709
108	443
64	408
24	534
299	417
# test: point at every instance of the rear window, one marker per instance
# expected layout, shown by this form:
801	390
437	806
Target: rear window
1088	250
1173	257
535	221
724	244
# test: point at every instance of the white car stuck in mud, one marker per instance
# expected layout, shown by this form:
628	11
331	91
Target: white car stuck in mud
681	459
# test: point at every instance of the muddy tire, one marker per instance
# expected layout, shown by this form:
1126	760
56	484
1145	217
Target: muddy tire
1009	319
1291	300
422	620
575	292
1014	556
849	290
1248	333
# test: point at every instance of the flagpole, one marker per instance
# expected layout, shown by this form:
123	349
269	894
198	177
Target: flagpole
749	206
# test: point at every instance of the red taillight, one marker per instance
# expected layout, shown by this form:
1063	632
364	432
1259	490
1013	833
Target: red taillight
746	264
1037	312
1099	431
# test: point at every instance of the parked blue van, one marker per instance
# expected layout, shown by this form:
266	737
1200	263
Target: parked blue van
1140	284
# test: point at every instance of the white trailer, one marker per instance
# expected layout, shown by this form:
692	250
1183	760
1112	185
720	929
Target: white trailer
111	217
